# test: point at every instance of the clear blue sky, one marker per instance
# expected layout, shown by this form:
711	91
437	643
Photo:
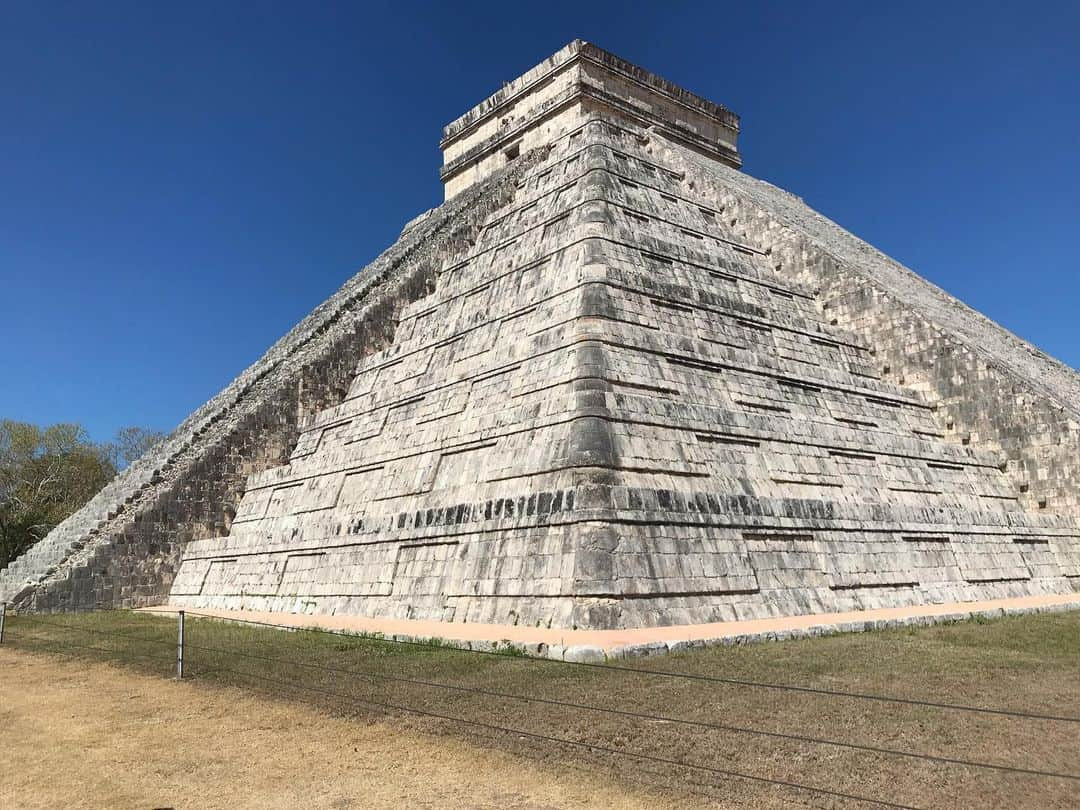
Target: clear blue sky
181	183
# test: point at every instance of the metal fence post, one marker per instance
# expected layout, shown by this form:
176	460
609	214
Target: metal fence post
180	646
3	615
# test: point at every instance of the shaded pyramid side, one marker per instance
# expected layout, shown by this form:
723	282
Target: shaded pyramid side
612	411
990	388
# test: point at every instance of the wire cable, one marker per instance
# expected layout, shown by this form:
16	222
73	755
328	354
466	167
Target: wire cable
55	641
575	743
645	716
96	631
580	706
666	673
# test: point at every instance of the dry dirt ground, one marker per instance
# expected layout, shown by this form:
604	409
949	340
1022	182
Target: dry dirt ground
90	735
89	717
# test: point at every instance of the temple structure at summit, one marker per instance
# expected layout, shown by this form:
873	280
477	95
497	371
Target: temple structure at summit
613	381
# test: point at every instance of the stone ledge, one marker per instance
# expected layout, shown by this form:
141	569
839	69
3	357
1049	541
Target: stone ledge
562	59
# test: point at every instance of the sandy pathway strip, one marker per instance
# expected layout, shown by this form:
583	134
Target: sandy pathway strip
608	640
86	735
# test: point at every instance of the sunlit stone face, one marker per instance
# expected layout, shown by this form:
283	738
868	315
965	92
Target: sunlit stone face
579	83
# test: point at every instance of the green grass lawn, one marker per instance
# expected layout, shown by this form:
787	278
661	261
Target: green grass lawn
1027	664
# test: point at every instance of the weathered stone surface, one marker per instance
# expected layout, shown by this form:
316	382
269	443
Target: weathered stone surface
618	383
556	97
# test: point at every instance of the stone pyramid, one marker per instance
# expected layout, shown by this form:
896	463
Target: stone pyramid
613	381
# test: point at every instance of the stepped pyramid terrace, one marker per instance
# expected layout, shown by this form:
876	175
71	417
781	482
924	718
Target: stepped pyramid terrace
612	382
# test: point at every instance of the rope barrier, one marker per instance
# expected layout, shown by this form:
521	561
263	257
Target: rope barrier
575	743
66	643
667	673
645	716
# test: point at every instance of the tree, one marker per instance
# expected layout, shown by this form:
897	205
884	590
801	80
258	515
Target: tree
130	444
48	473
45	475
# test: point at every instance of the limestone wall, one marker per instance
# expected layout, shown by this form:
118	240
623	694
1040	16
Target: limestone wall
613	411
